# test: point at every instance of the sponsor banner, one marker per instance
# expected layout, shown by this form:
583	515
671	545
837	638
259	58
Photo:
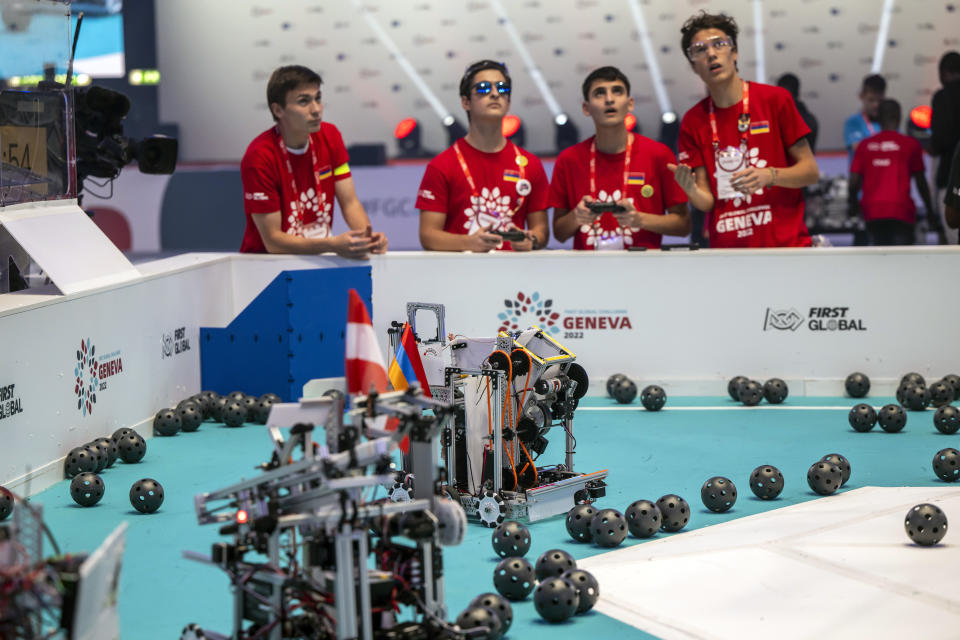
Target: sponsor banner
524	310
174	343
91	374
697	316
10	402
816	319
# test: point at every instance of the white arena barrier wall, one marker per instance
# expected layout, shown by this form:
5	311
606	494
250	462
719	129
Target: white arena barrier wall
80	366
686	320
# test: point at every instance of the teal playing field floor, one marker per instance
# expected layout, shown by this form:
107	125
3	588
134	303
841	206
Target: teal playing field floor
648	455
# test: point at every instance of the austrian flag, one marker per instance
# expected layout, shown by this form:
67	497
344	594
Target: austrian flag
364	360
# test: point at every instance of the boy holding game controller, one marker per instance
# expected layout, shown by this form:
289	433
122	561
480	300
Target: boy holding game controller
613	191
484	192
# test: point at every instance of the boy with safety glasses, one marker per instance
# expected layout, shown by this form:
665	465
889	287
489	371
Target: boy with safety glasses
613	191
484	192
743	151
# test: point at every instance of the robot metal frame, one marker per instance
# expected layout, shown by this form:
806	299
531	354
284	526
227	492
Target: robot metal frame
531	384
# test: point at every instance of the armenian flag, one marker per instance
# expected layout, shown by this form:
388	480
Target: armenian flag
760	127
326	172
511	175
636	178
406	367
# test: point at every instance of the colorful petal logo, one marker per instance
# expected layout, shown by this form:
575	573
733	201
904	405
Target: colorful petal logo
525	310
86	380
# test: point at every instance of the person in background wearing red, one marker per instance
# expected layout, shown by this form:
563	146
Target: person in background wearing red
744	156
883	165
615	167
484	186
291	173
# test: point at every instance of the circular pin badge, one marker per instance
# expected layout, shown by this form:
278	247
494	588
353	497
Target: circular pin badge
522	161
646	191
524	187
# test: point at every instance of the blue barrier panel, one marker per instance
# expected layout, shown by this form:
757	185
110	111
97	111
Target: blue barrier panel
292	332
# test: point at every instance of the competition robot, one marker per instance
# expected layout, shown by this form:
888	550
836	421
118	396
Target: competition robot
300	534
508	393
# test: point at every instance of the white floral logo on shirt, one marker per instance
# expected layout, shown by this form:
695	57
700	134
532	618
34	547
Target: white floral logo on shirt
309	207
596	233
489	210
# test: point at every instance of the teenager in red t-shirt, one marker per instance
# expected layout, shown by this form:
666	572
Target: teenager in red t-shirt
743	152
484	183
883	165
291	173
615	166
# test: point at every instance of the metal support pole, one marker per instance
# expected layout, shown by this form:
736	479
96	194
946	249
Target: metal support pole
344	592
423	460
366	616
498	389
433	596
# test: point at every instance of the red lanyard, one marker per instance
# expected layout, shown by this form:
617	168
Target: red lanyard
298	203
743	123
593	166
866	121
521	162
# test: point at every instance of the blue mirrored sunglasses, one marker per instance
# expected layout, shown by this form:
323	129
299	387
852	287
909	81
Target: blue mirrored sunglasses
483	88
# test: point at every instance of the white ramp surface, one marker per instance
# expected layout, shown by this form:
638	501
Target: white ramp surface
840	566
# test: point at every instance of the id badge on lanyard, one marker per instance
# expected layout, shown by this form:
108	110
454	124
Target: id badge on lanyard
730	159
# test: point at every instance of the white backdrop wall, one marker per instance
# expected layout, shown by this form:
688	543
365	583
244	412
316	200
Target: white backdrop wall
215	57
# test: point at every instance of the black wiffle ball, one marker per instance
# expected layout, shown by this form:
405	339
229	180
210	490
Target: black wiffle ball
132	447
6	503
862	417
146	495
857	385
775	390
86	489
653	397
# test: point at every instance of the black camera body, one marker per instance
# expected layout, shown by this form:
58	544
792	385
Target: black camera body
103	150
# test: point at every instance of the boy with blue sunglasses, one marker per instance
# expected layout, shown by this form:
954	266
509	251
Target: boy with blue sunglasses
484	187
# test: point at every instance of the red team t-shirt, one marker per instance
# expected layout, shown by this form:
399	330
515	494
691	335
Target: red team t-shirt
650	186
496	203
267	186
772	217
886	161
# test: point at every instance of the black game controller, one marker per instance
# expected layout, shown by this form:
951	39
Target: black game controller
604	207
512	235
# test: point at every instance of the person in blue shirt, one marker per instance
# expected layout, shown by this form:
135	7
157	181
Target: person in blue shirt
864	123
